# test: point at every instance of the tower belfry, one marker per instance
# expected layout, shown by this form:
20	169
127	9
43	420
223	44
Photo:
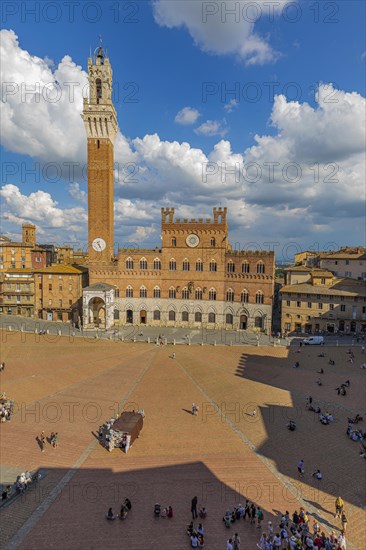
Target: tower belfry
100	120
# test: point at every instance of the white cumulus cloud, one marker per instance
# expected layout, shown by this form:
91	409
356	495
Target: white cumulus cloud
223	27
186	116
212	128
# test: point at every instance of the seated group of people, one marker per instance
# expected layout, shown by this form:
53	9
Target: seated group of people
125	508
163	513
6	408
196	535
355	435
23	481
326	418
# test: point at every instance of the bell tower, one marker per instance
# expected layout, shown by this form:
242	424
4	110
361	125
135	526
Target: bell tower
100	121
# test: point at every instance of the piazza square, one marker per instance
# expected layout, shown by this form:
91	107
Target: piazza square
237	448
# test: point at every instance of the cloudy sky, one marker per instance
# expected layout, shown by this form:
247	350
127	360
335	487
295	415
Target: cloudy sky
257	106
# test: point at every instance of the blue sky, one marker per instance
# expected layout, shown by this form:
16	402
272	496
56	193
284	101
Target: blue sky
165	53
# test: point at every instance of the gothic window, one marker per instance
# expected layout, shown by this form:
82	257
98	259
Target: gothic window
230	295
198	294
143	263
213	265
143	292
213	241
244	297
129	292
211	318
260	267
199	265
229	319
185	265
172	265
230	267
171	315
185	294
185	316
245	267
129	263
212	294
198	317
157	264
156	315
172	292
98	84
258	322
156	292
174	241
259	297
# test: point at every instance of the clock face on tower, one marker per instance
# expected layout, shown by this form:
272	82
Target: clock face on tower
99	244
192	240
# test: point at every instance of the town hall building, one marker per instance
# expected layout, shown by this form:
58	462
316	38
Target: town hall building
193	279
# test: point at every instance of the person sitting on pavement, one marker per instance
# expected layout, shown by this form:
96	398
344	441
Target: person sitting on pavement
317	474
202	512
110	515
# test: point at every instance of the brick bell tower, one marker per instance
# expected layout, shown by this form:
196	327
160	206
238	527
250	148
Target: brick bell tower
100	121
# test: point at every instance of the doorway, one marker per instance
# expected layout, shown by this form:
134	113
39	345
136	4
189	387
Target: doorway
143	317
129	316
243	322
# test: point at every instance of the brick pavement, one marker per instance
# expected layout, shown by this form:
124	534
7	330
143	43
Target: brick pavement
177	454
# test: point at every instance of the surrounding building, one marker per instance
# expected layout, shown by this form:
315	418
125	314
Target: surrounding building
193	279
323	302
53	293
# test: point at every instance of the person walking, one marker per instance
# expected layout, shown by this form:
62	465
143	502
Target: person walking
253	513
259	517
42	439
300	468
194	507
339	507
344	521
236	542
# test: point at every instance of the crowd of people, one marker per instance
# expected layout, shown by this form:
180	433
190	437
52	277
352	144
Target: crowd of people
21	484
295	532
6	408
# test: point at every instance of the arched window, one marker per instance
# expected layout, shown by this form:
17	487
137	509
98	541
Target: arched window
143	263
129	292
129	263
98	85
198	317
213	241
199	265
156	315
229	319
185	316
230	295
172	292
185	265
213	265
258	322
244	297
259	297
198	294
245	267
212	294
172	265
230	266
143	292
174	241
171	315
156	292
157	264
211	318
260	267
185	294
116	314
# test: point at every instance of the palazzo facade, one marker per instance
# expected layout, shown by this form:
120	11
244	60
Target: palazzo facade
194	279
